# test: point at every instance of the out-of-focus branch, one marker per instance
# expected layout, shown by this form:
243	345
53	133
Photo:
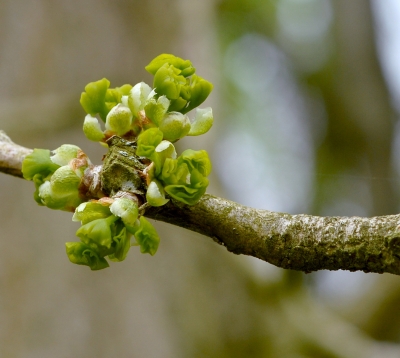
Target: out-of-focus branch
360	116
299	242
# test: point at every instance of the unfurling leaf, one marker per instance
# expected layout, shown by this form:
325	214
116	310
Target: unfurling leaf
184	65
202	123
148	141
92	129
81	254
147	237
38	162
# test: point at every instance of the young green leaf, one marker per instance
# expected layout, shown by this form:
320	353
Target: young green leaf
168	81
91	210
189	193
184	65
203	121
64	154
92	129
155	194
199	91
163	151
138	96
174	173
126	209
156	109
148	141
122	244
93	99
81	254
196	159
99	232
147	237
38	162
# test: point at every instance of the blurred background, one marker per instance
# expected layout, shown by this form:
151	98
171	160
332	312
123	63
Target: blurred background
306	105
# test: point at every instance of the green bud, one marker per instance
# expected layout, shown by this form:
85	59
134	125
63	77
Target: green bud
92	129
93	99
62	191
91	210
163	151
148	141
138	96
156	109
175	126
38	162
81	254
155	194
56	202
199	91
126	209
119	119
168	81
147	237
202	123
64	180
64	154
99	232
184	65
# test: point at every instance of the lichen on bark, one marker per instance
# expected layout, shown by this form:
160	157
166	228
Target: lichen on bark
299	242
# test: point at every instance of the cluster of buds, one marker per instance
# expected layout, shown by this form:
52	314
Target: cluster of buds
127	110
107	229
108	224
183	178
150	118
57	177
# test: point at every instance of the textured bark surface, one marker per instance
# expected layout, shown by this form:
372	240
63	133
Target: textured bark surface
11	156
299	242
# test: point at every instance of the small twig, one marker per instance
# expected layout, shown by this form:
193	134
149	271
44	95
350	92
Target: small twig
11	156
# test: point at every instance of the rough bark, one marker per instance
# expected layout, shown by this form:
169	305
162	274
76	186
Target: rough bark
299	242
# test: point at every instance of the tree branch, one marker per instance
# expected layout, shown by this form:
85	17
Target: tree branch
299	242
11	155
